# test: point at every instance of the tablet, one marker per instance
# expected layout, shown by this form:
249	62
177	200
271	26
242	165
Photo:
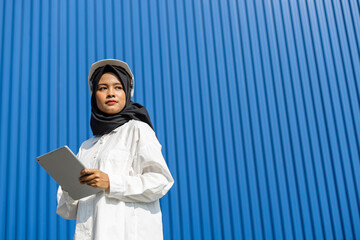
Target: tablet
65	168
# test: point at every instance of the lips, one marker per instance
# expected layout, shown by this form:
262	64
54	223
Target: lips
111	102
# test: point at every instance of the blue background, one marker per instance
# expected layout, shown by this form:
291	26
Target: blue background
256	104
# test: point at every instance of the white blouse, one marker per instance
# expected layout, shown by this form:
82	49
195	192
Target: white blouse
139	177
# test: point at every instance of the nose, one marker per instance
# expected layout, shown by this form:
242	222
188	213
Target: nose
110	92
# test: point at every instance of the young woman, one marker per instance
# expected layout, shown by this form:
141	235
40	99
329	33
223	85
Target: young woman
123	158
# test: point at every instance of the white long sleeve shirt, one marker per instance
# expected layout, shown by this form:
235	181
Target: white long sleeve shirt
139	177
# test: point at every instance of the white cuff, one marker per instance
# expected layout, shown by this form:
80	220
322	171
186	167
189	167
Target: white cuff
67	198
117	186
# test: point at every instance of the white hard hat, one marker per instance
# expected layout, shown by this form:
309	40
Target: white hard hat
113	62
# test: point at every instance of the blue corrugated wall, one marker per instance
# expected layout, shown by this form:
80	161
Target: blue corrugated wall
256	104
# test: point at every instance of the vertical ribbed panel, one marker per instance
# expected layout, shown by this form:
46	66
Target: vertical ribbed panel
256	104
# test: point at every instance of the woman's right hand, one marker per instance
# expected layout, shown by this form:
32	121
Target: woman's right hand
95	178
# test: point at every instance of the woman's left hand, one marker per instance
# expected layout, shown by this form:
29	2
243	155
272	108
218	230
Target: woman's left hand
95	178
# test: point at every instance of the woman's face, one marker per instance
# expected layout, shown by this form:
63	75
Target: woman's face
110	94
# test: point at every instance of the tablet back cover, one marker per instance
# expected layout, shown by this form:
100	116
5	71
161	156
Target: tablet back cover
65	168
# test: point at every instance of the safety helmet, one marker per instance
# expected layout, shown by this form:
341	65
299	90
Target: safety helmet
113	62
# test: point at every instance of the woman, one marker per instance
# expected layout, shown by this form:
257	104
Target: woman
123	158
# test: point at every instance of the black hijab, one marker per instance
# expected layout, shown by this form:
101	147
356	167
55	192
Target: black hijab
102	123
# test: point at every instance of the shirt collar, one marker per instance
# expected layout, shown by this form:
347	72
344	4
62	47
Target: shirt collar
96	138
117	129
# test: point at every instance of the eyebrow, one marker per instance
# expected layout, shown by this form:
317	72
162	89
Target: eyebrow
109	84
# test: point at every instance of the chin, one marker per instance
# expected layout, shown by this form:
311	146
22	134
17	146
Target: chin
111	111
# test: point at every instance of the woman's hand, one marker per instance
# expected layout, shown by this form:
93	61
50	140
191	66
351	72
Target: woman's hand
95	178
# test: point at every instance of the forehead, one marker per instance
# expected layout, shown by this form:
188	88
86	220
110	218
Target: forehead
109	78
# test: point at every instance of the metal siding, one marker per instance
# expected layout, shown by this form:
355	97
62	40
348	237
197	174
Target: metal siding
256	104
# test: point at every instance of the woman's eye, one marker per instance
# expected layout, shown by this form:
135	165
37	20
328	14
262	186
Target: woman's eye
118	88
101	88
